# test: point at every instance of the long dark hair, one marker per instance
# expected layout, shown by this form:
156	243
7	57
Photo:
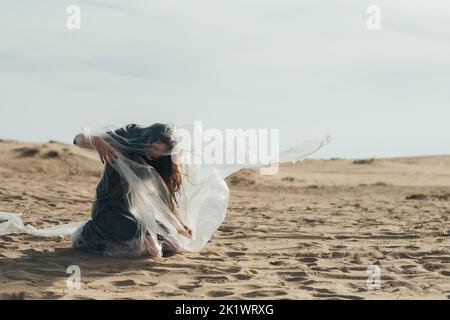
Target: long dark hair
164	165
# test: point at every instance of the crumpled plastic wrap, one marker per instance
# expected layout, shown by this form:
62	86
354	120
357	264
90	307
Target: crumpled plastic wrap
202	199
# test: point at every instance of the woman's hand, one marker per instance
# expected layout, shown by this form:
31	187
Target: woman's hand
105	151
186	231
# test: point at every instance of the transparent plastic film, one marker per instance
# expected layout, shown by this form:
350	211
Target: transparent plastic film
159	191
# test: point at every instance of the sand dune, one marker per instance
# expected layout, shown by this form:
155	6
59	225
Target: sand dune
308	233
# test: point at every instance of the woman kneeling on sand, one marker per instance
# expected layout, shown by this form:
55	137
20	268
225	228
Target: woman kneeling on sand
151	199
114	227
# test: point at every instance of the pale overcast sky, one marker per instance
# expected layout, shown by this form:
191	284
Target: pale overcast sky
306	67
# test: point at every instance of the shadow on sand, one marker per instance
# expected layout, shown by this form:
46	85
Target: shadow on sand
44	274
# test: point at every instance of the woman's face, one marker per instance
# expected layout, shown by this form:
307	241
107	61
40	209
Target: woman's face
156	149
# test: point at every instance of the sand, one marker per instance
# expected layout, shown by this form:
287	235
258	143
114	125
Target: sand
309	232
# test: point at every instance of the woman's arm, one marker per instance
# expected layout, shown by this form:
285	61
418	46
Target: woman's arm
105	151
82	141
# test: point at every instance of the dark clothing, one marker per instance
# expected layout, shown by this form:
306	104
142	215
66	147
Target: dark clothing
110	215
111	219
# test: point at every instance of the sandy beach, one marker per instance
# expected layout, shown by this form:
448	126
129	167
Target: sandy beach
309	232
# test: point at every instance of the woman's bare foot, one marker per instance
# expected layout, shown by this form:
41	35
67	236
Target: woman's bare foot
171	246
151	249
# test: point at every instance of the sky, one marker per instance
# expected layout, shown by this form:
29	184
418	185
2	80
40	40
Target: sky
302	66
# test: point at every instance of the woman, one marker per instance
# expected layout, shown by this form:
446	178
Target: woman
151	200
113	228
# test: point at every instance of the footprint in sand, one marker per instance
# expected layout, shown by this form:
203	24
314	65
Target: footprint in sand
264	294
338	254
294	276
214	279
219	293
243	276
337	296
234	254
308	260
124	283
189	287
231	270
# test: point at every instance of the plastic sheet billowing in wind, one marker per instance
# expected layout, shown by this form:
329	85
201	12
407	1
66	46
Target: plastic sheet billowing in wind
201	202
